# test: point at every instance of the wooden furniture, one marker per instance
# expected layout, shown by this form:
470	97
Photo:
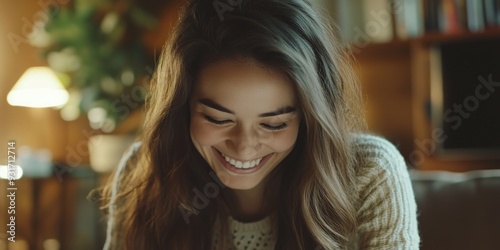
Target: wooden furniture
53	213
396	77
458	211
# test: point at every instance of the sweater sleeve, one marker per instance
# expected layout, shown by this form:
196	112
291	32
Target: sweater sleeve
387	211
114	235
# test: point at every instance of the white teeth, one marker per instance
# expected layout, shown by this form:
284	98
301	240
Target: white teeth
243	165
246	164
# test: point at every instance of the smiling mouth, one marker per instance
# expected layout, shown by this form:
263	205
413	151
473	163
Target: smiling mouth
241	166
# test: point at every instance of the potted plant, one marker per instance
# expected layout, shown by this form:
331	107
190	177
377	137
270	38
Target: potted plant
99	45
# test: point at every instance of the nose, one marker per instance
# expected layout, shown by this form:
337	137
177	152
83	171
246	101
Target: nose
245	143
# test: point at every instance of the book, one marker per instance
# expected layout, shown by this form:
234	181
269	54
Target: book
448	17
497	11
378	20
350	19
475	15
490	13
461	13
400	27
431	20
409	18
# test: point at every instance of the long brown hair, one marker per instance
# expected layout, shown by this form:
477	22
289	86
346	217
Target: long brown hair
315	208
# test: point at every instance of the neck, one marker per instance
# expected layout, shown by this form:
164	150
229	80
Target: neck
250	205
253	204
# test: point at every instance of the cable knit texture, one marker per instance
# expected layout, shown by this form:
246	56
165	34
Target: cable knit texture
387	211
385	201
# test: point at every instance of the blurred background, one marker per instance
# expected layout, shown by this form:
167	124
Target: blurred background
74	75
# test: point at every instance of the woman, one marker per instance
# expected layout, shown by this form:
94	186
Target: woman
252	141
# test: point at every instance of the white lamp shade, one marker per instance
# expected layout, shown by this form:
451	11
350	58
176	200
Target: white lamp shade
38	87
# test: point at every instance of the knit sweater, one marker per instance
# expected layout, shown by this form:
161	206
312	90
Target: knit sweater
386	208
259	235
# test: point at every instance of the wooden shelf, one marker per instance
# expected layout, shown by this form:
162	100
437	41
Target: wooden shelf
395	77
462	36
434	38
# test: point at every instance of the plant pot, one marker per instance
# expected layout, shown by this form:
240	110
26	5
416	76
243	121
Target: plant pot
105	151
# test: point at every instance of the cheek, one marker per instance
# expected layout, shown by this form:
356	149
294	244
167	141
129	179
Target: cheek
204	134
282	142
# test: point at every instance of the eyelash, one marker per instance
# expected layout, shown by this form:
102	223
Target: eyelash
275	128
266	126
216	122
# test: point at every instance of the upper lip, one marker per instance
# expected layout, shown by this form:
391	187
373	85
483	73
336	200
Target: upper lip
236	159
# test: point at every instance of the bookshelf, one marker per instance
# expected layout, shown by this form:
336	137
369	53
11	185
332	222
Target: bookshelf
395	64
462	36
422	73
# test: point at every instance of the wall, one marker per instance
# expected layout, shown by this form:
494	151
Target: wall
36	128
51	213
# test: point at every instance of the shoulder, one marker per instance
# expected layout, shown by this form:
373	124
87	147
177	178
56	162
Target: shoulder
131	150
385	201
376	154
123	169
127	155
114	239
374	147
380	167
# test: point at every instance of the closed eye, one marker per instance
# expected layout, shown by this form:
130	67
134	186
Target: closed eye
274	128
214	121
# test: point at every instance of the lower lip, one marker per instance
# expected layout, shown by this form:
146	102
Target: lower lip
236	170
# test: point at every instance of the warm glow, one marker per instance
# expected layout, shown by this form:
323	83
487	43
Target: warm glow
38	87
7	172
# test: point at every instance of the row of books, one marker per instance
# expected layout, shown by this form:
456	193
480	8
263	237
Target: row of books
384	20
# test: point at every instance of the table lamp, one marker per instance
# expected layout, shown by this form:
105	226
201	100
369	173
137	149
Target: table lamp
38	87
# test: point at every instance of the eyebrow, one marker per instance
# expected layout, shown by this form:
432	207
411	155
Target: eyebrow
280	111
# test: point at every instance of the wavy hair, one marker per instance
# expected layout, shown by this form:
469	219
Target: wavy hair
315	207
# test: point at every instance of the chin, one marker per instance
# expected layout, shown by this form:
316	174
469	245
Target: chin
242	185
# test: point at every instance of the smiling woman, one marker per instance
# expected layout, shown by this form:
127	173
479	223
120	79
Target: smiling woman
241	114
253	140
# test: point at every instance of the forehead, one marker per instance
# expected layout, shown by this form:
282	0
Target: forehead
244	84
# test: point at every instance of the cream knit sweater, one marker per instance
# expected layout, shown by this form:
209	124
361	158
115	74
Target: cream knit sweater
386	205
